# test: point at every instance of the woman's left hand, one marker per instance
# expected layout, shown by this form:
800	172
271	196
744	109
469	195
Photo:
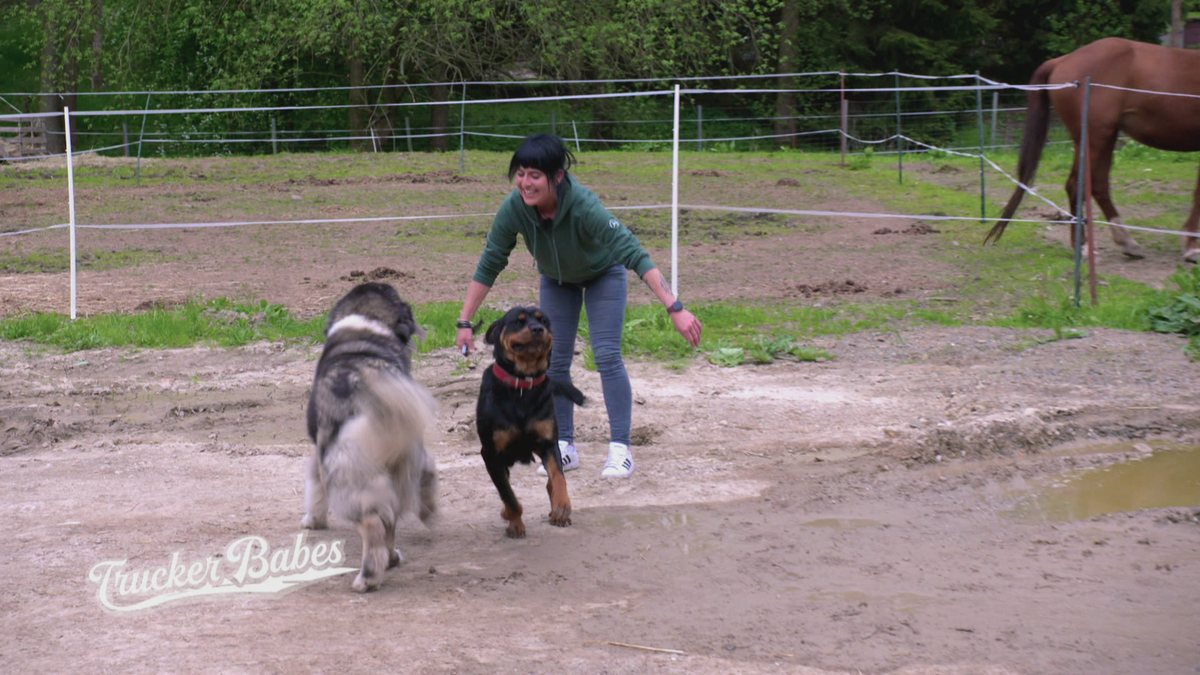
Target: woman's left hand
688	326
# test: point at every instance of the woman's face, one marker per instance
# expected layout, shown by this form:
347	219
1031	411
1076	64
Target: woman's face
536	189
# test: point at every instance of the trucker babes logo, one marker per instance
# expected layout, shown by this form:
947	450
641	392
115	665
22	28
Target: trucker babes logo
249	565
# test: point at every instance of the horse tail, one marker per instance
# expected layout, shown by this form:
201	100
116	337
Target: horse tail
1037	121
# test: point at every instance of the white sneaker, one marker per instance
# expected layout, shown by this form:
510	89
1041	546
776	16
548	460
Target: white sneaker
570	458
620	462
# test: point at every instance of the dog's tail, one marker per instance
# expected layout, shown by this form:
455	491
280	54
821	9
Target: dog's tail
401	411
567	389
381	444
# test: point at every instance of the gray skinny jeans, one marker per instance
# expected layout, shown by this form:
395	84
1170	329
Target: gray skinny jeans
605	297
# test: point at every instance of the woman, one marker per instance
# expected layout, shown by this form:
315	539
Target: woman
582	252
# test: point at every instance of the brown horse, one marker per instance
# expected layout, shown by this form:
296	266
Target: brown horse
1156	120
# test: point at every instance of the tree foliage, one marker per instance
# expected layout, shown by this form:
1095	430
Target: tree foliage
213	44
387	51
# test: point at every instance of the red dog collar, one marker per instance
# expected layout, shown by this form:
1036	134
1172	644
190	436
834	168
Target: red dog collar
517	382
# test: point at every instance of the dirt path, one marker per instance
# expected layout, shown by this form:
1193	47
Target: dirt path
792	518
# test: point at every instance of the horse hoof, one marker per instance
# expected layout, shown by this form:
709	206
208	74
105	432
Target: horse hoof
1192	256
1134	251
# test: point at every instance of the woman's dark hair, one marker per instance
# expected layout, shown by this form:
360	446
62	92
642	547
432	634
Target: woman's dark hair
545	152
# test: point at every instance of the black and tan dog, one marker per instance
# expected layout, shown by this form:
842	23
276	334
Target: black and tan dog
515	412
367	418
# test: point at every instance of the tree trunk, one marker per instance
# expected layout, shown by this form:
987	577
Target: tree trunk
358	97
51	102
98	45
785	101
383	120
70	83
439	117
393	114
603	113
1176	39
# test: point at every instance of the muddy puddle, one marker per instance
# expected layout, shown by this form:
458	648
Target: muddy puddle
908	603
668	520
1164	477
843	523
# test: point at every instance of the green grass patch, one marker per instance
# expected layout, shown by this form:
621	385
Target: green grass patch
1125	305
439	319
1051	303
763	333
733	334
737	334
214	322
58	260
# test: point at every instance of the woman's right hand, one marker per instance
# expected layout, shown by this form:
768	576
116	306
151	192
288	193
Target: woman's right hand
688	326
465	341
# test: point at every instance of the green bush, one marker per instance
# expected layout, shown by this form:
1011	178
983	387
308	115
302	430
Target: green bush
1182	314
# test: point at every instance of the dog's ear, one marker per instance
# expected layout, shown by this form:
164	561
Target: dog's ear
409	330
493	332
406	325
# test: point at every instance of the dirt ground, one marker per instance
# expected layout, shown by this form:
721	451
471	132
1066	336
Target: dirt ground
862	515
787	518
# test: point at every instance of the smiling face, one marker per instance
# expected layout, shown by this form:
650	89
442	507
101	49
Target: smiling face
536	189
522	339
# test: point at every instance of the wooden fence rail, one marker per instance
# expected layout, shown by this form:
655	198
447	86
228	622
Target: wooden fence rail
23	139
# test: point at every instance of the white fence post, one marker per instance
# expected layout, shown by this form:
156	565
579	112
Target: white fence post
70	202
675	202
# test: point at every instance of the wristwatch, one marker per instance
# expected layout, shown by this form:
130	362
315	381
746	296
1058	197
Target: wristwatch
677	307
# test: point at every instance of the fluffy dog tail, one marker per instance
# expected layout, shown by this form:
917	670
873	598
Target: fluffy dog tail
377	463
400	411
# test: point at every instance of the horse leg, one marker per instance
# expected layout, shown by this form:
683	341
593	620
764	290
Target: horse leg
1072	192
1102	152
1191	246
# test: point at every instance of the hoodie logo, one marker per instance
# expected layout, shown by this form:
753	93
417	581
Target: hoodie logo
614	223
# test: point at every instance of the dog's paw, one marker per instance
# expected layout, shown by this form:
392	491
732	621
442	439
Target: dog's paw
395	558
516	528
311	522
428	514
374	563
561	516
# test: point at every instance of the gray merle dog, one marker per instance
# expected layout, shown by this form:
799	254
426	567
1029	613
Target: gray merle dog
368	417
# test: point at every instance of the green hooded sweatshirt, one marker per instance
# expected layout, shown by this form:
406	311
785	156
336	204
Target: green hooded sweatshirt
579	245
